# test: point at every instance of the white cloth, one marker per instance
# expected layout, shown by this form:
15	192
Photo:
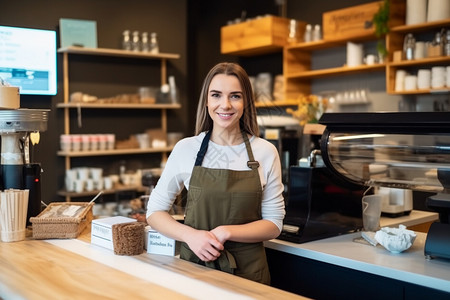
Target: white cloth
178	169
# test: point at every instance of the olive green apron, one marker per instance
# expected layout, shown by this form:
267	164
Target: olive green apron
227	197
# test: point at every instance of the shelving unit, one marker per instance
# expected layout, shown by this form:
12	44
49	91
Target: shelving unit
67	106
297	70
297	64
394	43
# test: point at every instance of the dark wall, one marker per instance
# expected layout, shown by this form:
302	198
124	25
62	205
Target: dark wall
188	27
167	18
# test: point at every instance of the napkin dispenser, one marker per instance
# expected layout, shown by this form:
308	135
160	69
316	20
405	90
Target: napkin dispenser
406	150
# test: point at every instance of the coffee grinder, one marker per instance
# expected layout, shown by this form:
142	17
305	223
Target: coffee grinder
19	127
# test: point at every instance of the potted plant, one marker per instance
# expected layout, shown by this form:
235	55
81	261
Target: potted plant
380	20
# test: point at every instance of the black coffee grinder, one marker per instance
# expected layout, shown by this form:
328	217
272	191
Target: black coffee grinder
17	128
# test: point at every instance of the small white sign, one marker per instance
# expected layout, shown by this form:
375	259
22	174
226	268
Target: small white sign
159	244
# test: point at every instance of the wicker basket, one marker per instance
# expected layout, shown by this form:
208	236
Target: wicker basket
62	220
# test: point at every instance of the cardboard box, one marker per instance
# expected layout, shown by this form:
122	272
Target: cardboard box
156	243
101	230
258	36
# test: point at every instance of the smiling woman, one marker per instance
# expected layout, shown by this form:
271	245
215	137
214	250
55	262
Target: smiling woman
233	178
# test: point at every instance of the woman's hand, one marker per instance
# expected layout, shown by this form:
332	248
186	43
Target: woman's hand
204	244
221	233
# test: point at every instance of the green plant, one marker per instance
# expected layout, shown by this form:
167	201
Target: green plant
380	20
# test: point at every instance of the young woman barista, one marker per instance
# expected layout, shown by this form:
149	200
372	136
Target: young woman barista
233	179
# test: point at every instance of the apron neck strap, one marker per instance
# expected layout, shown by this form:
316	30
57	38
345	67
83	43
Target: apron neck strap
201	153
252	163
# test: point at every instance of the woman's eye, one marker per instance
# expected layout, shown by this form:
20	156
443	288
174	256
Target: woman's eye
236	96
215	95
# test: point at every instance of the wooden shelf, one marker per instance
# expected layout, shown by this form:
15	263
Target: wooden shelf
420	27
336	71
427	91
330	43
276	103
119	105
113	152
116	52
422	61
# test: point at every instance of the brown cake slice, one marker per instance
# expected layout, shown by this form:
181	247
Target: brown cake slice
128	238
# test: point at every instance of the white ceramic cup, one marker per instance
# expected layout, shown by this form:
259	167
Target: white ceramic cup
78	185
400	80
424	79
370	59
410	83
89	185
107	183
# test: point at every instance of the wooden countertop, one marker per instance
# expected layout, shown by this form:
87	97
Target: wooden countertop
74	268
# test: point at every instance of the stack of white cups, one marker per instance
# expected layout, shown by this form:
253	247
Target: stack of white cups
410	82
400	80
438	77
423	79
448	77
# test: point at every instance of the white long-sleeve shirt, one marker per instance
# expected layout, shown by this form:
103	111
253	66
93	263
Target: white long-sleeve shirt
178	169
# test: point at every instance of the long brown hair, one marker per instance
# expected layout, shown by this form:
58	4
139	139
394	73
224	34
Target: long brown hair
248	121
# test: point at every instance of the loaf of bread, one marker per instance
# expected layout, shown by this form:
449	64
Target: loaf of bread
128	238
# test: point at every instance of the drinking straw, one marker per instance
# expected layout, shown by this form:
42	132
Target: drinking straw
2	210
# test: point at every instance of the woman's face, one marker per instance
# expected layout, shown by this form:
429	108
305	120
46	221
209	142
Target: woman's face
225	101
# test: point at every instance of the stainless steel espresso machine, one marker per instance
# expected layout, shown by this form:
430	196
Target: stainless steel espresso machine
396	150
16	169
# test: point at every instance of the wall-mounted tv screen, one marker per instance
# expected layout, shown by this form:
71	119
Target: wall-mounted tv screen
28	59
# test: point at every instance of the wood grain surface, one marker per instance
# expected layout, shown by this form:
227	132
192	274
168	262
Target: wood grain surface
37	269
34	269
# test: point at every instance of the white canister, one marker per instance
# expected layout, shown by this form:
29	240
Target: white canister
448	77
438	10
419	50
424	79
354	54
410	83
416	11
438	74
400	80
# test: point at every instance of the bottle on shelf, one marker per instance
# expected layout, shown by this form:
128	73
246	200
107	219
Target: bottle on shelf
145	43
447	43
408	46
126	40
135	43
317	33
292	38
154	47
308	33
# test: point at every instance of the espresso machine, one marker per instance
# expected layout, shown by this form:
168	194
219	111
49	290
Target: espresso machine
401	150
19	131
